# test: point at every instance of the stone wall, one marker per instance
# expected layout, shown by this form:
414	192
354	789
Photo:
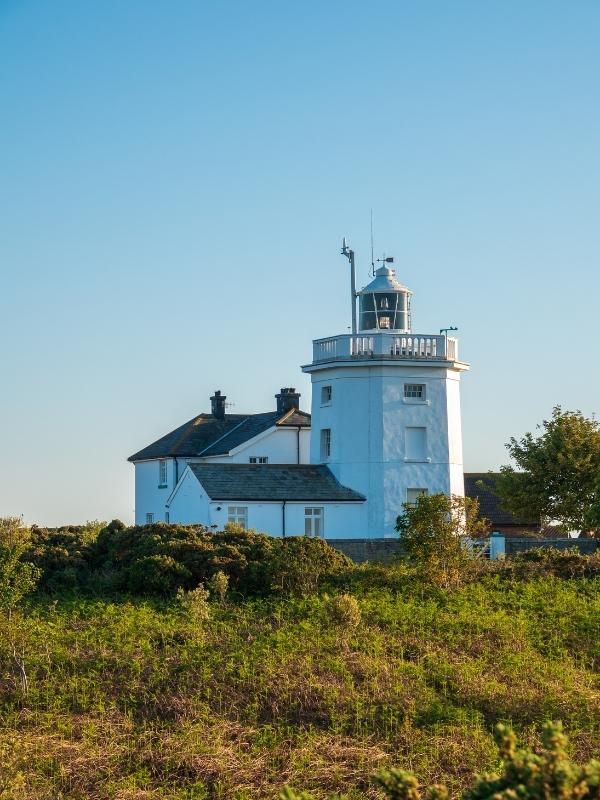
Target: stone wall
384	550
359	550
518	544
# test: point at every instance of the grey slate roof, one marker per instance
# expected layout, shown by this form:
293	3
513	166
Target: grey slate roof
480	485
205	435
313	482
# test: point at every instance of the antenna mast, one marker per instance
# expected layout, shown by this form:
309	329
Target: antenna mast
372	256
346	251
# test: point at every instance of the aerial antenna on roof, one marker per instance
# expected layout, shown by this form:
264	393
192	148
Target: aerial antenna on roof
349	253
372	257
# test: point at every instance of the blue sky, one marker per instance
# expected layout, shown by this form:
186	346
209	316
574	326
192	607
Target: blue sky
176	177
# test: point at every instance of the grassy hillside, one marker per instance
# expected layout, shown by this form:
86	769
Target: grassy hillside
139	699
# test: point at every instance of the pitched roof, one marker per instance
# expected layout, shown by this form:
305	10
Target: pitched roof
314	482
206	435
480	485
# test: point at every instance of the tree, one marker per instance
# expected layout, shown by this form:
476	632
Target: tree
17	576
558	473
435	531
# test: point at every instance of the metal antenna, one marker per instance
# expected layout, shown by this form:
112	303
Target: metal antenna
346	251
372	256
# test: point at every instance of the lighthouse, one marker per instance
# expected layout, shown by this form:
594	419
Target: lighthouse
386	404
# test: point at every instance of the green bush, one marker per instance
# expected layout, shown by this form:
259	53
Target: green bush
299	565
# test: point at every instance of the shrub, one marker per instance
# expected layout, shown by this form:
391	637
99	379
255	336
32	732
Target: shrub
343	610
218	585
299	565
62	555
156	574
195	603
435	532
18	577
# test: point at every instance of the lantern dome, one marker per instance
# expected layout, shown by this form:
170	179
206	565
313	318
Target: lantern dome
384	303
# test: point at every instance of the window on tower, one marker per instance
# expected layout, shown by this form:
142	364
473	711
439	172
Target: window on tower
412	495
325	444
414	391
325	395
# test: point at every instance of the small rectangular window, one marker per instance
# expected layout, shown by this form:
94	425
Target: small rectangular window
259	459
416	444
325	395
167	517
313	523
414	391
413	494
149	519
325	444
238	515
162	473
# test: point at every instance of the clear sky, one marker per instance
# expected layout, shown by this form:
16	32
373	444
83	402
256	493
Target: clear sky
176	177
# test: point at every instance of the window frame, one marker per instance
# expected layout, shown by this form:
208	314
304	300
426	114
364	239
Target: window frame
421	491
149	517
238	515
415	398
258	459
314	518
326	394
325	444
163	474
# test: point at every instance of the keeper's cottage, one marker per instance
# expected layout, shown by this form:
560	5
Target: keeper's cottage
384	427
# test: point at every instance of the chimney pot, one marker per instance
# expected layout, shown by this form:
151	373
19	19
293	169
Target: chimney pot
287	399
217	403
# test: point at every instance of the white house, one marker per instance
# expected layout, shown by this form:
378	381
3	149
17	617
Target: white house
385	427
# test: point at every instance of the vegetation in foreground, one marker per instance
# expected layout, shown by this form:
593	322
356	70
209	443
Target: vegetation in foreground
316	677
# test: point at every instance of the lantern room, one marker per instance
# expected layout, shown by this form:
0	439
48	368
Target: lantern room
385	303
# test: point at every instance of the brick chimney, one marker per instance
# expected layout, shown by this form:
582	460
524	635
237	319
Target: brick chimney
287	399
217	402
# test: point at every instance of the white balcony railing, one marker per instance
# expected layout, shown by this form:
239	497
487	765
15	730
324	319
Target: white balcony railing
385	346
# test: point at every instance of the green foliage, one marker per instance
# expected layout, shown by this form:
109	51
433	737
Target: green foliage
136	699
434	531
550	775
63	555
343	610
558	472
18	577
298	565
195	603
218	585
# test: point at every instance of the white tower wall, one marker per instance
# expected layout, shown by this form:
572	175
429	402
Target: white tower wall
368	416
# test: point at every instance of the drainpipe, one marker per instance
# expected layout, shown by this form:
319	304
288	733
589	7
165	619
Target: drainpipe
283	518
298	444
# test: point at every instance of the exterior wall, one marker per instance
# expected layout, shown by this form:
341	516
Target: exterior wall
190	505
149	498
368	416
280	445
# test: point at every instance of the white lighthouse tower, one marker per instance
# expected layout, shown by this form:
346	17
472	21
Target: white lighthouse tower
386	404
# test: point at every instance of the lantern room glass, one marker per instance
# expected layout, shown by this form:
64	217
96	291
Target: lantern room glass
384	311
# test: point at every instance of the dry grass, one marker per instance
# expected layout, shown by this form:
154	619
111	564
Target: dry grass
133	701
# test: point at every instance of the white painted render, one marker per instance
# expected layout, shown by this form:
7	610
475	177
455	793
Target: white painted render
368	417
279	445
190	504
